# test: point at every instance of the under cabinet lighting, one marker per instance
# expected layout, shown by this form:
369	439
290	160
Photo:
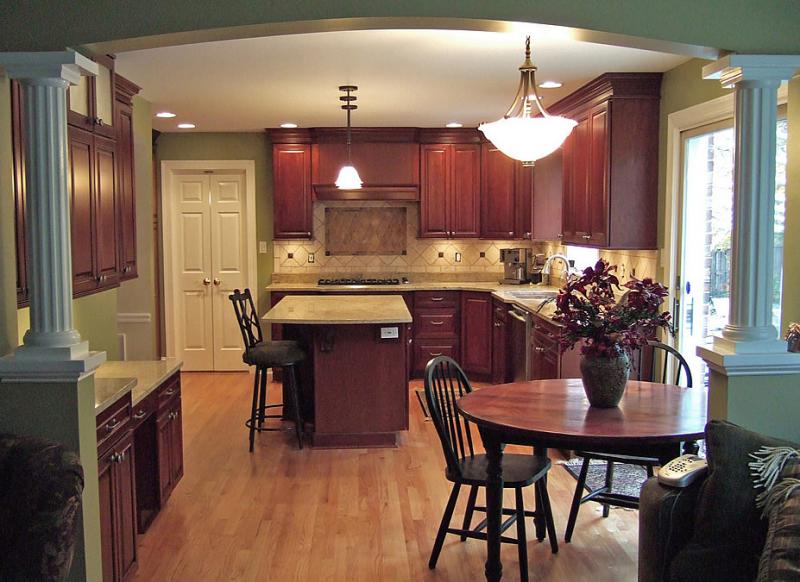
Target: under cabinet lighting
288	125
166	114
454	124
550	85
186	126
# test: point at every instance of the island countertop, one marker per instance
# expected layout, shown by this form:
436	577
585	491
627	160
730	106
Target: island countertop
339	309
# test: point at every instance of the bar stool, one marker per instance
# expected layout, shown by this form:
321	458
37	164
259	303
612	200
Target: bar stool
264	355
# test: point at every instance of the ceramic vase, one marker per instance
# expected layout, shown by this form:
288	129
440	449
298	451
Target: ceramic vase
604	379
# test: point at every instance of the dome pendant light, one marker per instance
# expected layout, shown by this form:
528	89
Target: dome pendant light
523	134
348	176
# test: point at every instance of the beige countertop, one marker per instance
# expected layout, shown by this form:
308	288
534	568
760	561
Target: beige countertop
528	297
339	309
108	390
143	377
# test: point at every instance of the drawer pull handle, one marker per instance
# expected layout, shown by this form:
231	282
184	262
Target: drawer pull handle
437	298
169	392
140	415
113	424
539	350
435	355
437	323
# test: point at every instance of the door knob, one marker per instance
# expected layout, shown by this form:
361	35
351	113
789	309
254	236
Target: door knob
206	281
217	281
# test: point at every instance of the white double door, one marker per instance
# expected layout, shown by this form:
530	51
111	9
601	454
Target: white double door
210	252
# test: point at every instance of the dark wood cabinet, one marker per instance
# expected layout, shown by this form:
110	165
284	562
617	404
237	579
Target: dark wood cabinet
169	427
547	197
610	162
476	332
126	174
117	491
437	326
547	361
501	371
291	170
506	190
105	213
450	191
91	103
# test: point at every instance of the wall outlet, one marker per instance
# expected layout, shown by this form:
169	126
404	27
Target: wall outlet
458	257
262	247
390	332
310	257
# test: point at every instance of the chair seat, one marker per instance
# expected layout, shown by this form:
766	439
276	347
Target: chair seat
274	354
518	470
629	459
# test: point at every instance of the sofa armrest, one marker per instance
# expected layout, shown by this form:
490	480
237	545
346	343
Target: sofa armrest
666	522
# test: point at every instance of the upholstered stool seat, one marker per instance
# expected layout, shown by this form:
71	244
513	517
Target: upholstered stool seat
274	354
264	355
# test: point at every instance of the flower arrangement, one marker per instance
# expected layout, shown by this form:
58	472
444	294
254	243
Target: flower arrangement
590	312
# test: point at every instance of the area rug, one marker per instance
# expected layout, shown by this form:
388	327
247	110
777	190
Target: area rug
628	479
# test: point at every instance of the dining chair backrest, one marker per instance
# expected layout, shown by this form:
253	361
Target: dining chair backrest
445	382
660	367
247	317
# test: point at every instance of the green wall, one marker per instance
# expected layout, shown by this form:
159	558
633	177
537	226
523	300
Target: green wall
743	26
791	262
233	146
8	268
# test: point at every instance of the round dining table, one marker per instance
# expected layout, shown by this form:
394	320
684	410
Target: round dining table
651	417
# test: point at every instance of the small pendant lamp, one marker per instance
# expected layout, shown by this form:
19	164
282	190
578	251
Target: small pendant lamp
523	134
348	176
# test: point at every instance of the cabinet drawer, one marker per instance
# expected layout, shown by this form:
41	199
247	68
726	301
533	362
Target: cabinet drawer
140	411
435	299
169	390
439	323
113	423
426	350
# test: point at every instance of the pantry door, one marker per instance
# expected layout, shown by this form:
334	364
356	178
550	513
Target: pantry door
209	242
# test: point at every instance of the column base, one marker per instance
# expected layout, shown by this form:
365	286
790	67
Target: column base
762	358
34	364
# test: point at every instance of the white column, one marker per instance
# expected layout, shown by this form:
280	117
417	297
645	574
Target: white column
45	78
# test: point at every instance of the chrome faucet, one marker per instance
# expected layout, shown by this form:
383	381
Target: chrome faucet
569	269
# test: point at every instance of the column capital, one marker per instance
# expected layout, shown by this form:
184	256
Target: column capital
733	68
66	65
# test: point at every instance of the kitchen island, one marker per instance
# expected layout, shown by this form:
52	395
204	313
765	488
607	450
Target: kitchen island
354	382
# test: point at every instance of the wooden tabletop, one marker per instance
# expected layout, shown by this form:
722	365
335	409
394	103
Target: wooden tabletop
557	412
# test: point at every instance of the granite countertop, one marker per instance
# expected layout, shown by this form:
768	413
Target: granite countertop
139	377
340	309
528	297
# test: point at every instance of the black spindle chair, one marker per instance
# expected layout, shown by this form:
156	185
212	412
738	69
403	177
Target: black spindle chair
647	360
264	355
445	382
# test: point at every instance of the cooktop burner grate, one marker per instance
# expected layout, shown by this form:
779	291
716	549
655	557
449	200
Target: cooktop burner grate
359	281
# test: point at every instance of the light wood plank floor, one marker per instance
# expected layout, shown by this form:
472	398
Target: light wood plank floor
281	514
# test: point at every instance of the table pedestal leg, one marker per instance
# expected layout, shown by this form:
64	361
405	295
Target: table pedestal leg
494	503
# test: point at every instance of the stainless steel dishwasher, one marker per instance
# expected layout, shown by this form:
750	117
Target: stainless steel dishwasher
520	344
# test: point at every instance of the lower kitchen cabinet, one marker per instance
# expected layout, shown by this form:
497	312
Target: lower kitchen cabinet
437	326
117	492
501	370
170	448
476	334
547	361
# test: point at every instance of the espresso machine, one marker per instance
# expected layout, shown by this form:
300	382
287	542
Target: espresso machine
515	266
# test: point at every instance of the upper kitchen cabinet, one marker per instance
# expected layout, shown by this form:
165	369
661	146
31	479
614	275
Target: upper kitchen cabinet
291	173
387	159
450	185
610	162
506	190
123	115
547	197
92	102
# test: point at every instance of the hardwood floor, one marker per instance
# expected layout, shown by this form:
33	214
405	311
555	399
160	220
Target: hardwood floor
358	515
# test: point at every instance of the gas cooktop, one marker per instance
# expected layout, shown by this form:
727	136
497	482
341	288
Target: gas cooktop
401	281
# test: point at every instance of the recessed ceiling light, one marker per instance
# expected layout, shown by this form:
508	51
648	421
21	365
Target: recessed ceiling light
288	125
165	114
550	85
186	126
454	124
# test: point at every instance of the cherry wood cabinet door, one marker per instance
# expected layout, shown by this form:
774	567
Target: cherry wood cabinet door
107	514
575	218
434	191
523	201
176	444
378	163
125	499
548	182
598	203
105	201
500	339
476	336
81	183
127	193
464	199
291	166
498	220
164	441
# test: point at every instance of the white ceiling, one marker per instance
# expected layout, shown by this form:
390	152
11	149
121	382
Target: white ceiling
418	78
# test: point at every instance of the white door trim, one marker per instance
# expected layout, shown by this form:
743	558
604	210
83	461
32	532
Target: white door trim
168	170
677	122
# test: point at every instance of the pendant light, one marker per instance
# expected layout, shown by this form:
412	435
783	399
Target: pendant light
527	132
348	176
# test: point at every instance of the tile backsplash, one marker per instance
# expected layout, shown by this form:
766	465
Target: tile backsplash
479	258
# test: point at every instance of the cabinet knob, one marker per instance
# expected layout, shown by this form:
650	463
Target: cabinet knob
560	235
498	324
539	349
510	233
587	237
